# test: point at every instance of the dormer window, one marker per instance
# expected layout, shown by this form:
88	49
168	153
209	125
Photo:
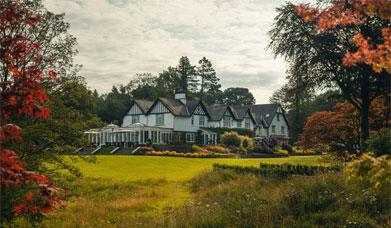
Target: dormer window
278	117
192	120
267	115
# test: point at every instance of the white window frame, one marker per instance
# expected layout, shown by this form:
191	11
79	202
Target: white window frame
239	124
226	121
201	120
192	120
283	130
159	119
273	129
135	119
190	137
247	123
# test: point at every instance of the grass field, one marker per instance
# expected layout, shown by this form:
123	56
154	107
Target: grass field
134	168
135	191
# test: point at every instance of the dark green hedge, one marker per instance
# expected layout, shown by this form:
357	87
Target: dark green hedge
283	170
240	131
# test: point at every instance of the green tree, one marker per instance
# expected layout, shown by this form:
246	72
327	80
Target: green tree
238	96
187	73
112	107
209	80
167	82
319	57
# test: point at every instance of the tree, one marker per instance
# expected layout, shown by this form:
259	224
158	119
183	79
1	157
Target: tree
209	80
167	82
24	61
323	43
332	127
187	73
238	96
113	106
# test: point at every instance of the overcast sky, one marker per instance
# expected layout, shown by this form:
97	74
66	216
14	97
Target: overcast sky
119	38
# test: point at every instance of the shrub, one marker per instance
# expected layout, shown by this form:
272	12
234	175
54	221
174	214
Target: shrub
381	144
288	148
263	150
176	154
196	148
231	139
247	143
217	149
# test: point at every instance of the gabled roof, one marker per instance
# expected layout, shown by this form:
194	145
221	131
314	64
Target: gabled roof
144	105
216	111
241	112
265	111
177	108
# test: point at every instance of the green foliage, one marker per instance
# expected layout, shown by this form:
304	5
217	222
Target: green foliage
225	199
230	139
381	143
196	148
237	96
240	131
263	150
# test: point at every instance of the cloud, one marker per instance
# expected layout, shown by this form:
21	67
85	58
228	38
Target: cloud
119	38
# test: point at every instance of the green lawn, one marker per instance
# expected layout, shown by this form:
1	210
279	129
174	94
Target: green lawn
132	168
129	191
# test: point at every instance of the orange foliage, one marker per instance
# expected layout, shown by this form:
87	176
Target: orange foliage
343	124
340	126
356	12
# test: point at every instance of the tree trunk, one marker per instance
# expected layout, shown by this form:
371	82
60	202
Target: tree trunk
364	113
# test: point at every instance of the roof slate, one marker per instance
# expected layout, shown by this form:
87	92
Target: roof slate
264	111
145	105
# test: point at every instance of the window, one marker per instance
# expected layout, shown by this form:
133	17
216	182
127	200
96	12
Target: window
159	119
190	137
282	130
227	121
202	120
239	124
278	117
247	123
135	119
192	120
273	129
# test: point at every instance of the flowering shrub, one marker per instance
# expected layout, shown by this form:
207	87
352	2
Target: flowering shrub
376	171
231	139
176	154
217	149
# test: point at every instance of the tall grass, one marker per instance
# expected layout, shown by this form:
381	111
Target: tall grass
227	199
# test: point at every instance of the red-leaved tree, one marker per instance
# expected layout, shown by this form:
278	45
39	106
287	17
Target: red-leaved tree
21	95
369	20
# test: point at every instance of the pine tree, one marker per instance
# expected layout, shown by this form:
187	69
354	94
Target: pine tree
187	73
207	74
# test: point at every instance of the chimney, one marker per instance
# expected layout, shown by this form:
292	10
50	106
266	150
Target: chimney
181	96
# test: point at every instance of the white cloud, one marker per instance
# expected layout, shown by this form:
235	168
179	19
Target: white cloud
118	38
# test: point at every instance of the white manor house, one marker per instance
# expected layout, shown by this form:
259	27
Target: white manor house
184	121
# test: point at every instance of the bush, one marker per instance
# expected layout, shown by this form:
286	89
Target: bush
231	139
263	150
217	149
288	148
196	148
247	143
176	154
381	144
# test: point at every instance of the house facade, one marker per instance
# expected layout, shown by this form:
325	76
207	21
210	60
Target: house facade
181	120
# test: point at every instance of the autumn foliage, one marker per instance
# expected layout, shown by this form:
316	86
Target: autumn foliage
21	95
375	53
342	125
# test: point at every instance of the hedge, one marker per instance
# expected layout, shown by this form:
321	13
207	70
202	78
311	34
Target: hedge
283	170
240	131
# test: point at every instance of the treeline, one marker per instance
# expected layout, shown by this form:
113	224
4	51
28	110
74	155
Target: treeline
199	81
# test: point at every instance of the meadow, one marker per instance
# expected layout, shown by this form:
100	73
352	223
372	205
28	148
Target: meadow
137	168
136	191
